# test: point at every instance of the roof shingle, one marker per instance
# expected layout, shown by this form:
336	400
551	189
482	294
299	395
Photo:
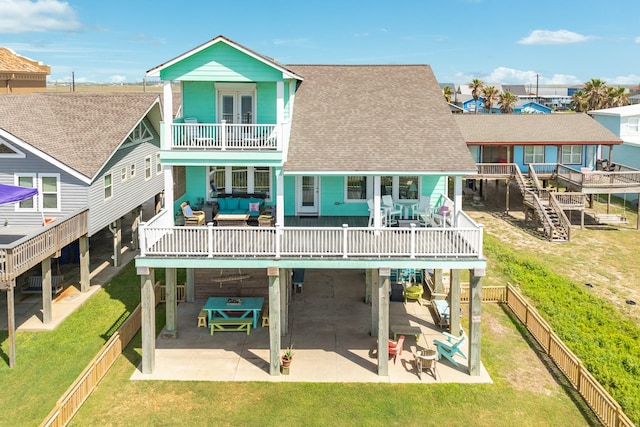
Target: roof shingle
373	118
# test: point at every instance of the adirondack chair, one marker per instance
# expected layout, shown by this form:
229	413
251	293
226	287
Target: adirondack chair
395	348
450	348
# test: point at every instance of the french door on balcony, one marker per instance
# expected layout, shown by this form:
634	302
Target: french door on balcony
307	195
236	107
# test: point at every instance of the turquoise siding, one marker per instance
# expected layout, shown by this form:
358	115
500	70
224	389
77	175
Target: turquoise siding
289	198
610	122
625	154
266	103
221	62
199	101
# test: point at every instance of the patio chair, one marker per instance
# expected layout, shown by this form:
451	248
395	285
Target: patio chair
423	207
371	212
192	217
392	210
450	348
264	141
441	217
395	348
425	359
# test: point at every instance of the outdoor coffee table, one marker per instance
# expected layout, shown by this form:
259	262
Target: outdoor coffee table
231	220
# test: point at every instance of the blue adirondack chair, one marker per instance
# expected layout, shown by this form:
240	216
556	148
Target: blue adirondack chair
450	348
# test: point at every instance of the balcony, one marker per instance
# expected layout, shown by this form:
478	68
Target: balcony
159	238
227	136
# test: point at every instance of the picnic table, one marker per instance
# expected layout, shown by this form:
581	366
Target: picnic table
233	307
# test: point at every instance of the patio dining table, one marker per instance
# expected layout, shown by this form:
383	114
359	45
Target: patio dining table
238	306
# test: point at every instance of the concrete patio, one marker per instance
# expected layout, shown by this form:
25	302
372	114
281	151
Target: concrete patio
329	326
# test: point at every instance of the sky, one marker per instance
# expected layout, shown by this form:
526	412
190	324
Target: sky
498	41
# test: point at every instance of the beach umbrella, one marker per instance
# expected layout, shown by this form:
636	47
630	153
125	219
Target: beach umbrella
13	193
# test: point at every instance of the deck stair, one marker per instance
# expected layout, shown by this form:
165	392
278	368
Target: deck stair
541	207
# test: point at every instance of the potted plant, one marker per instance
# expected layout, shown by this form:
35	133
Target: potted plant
287	356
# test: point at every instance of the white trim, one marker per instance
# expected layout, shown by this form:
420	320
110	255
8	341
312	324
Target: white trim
17	154
368	187
42	193
148	168
235	87
381	173
155	72
16	181
104	186
124	174
158	164
132	171
44	156
312	210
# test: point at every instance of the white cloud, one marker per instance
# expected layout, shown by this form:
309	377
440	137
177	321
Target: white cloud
24	16
300	41
637	40
504	75
553	37
562	79
631	79
117	79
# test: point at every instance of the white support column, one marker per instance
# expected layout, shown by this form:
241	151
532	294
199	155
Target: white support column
47	309
167	112
475	314
457	199
274	320
148	320
85	270
171	304
279	197
168	188
377	219
383	321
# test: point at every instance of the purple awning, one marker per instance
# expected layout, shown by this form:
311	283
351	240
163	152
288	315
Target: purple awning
12	193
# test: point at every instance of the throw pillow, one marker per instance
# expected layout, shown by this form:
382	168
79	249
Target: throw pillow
443	210
254	207
188	211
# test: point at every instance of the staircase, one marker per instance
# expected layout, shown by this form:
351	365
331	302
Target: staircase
541	207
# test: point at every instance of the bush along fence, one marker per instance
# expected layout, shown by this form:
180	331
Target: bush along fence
600	401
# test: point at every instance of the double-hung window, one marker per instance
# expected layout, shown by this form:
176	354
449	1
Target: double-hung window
355	188
31	181
533	154
572	154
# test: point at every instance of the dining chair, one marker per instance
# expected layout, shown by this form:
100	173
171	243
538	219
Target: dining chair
392	210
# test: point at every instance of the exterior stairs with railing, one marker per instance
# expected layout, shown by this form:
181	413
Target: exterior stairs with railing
541	208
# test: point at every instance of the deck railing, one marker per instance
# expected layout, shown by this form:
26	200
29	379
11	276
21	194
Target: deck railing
226	136
20	256
312	242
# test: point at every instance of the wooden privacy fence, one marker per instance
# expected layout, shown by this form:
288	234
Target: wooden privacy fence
83	386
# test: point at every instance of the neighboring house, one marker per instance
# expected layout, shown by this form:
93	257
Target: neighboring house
625	123
317	142
569	139
95	151
19	74
531	107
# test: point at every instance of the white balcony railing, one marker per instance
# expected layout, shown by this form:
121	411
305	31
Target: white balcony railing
312	242
226	136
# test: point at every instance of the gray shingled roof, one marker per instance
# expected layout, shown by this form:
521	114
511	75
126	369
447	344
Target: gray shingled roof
538	129
81	130
369	118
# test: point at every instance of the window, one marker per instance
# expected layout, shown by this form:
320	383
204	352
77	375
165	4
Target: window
533	154
408	187
239	179
400	187
50	191
147	168
572	154
158	164
355	188
262	180
632	125
239	182
132	170
123	174
108	187
26	181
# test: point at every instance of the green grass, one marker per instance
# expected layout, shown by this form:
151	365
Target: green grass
120	402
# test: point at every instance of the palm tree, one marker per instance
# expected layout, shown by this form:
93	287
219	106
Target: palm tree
596	91
616	97
580	101
490	94
506	101
448	92
476	87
